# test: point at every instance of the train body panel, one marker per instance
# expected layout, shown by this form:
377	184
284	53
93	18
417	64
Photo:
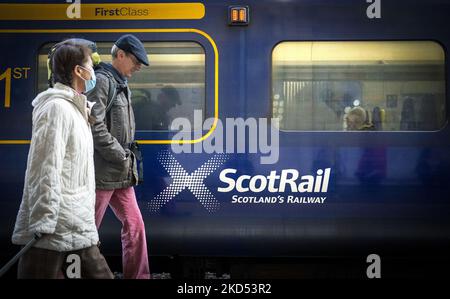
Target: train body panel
343	191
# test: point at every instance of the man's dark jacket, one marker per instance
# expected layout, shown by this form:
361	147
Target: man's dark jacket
113	131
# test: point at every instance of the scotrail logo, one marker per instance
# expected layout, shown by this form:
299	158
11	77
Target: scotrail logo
194	181
287	180
284	187
235	136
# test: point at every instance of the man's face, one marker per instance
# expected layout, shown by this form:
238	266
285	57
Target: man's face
129	64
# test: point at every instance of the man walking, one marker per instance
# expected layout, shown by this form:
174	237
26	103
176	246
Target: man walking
115	163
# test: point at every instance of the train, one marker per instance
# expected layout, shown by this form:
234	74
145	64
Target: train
255	160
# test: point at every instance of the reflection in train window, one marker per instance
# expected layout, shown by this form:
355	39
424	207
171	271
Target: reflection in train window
172	86
400	85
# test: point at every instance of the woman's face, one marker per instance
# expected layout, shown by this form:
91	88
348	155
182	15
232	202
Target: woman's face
81	73
86	69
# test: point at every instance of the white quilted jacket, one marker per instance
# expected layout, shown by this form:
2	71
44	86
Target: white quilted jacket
59	191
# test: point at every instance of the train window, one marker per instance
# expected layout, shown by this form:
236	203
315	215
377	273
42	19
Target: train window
399	84
172	86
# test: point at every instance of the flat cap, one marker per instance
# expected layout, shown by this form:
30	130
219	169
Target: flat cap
131	44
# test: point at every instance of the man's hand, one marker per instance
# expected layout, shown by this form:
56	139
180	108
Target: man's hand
127	154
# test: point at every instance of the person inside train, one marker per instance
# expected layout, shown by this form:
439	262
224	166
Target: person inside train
371	167
357	120
59	191
116	153
153	114
167	99
408	117
142	107
377	118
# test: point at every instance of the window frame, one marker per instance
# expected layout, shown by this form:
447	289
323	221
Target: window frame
162	35
442	127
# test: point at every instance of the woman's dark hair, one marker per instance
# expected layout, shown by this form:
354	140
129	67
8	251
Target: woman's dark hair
66	56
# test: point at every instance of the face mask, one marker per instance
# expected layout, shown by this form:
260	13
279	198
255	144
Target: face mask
89	84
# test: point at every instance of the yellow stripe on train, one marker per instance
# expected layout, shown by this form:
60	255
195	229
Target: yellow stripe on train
117	11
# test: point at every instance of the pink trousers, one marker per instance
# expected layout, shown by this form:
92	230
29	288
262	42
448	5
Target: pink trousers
134	244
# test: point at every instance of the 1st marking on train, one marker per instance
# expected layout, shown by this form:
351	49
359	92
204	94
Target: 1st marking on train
16	73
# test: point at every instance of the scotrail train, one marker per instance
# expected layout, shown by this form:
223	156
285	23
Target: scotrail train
303	63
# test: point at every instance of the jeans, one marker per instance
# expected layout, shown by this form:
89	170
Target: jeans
134	244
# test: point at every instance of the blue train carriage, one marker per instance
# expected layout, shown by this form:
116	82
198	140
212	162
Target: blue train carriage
260	161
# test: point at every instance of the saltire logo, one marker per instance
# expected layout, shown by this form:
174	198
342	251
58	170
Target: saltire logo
194	181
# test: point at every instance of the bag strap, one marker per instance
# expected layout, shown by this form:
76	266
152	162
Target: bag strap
134	147
112	89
